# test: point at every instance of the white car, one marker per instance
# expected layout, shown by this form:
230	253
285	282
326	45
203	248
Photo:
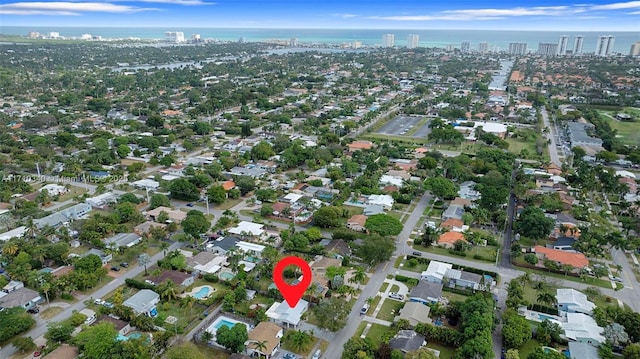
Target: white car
98	301
395	295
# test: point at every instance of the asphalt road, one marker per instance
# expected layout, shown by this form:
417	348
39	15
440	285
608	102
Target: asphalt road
398	124
371	289
553	149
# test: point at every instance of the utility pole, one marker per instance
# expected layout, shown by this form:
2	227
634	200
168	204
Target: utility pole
207	200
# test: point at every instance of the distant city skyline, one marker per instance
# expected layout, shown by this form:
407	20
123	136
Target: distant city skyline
551	15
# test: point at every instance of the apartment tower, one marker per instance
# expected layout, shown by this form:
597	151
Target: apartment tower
388	40
518	48
547	49
412	41
635	49
577	45
605	45
483	47
563	44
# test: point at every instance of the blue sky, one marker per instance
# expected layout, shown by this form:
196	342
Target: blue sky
342	14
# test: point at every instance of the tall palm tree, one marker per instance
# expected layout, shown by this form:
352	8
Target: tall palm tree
260	346
359	276
188	303
546	298
164	246
46	287
32	229
10	248
168	290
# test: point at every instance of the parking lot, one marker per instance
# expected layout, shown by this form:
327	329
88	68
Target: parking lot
401	125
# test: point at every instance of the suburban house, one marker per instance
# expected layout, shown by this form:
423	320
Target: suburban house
453	211
455	225
146	184
21	297
102	200
285	316
249	248
222	245
251	229
563	244
576	260
571	301
122	327
426	292
415	313
172	215
104	257
407	341
206	262
458	278
267	333
357	222
144	302
180	279
579	350
436	271
64	216
145	228
123	240
582	328
360	145
468	191
384	200
12	285
448	239
319	269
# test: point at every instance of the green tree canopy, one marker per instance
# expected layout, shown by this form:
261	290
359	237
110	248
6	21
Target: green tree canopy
384	225
195	224
327	216
97	341
441	187
534	224
232	338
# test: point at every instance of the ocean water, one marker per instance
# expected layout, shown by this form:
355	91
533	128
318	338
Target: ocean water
497	40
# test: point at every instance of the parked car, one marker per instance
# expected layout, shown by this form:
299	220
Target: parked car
189	204
33	310
124	265
108	304
364	309
317	354
417	254
115	268
98	301
614	278
290	356
395	295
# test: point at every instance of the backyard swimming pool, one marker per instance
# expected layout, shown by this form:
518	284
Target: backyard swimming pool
223	321
226	275
201	292
544	317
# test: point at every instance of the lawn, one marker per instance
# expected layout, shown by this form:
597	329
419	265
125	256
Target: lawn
545	273
488	253
627	131
389	310
229	203
212	353
360	329
373	305
306	350
50	312
378	332
454	297
73	192
383	287
397	262
528	348
394	288
418	268
445	352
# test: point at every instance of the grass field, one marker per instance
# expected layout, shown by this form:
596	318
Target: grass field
377	333
390	308
628	131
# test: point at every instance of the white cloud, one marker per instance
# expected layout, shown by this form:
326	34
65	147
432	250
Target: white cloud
618	6
175	2
64	8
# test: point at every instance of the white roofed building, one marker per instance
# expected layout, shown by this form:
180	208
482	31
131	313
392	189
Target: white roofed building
384	200
248	228
146	184
571	301
436	271
283	315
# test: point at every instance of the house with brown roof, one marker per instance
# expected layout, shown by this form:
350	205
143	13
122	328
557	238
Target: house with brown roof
576	260
228	185
454	224
120	325
180	279
357	222
360	145
461	202
267	333
448	239
144	229
319	268
174	215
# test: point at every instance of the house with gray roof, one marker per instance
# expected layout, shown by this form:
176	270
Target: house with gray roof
22	297
123	240
415	313
453	211
578	135
144	302
407	341
426	292
104	257
458	278
578	350
59	218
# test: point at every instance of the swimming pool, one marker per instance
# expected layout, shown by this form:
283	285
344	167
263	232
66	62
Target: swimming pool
226	275
223	321
544	317
202	293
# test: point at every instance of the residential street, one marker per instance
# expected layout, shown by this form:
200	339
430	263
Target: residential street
553	149
41	326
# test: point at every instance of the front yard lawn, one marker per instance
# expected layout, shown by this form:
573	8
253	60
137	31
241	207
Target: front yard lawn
390	308
378	332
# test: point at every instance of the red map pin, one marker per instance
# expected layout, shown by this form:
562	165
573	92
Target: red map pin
292	293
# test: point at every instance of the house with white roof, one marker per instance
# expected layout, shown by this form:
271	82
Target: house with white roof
582	328
384	200
436	271
387	180
143	302
248	228
292	197
14	233
146	184
282	314
59	218
250	248
102	200
54	189
571	301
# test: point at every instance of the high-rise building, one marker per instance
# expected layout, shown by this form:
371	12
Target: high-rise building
605	45
483	47
547	49
465	46
356	44
196	38
577	45
293	42
174	36
635	49
563	44
34	34
517	48
388	40
412	41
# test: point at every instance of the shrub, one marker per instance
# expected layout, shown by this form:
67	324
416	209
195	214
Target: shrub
66	296
77	319
138	285
212	278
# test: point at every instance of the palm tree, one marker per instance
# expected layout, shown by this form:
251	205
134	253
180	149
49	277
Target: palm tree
546	298
168	290
10	248
46	287
539	286
359	276
188	303
144	260
299	340
164	246
260	347
32	229
525	279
